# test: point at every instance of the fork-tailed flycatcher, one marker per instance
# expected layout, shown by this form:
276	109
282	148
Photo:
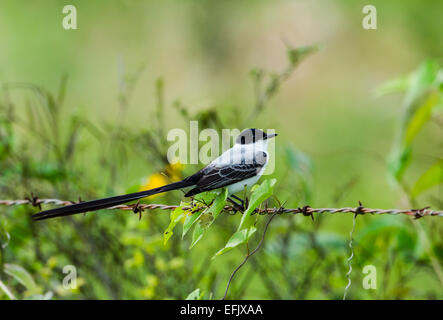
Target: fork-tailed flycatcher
237	168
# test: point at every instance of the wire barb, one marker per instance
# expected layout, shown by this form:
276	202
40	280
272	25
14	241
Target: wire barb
419	213
305	212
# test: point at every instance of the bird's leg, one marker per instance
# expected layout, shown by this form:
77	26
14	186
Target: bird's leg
239	199
237	206
246	199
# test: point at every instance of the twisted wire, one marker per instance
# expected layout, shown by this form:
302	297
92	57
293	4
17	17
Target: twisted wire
308	211
349	260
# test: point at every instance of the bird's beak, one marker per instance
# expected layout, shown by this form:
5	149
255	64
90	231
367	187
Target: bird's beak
271	135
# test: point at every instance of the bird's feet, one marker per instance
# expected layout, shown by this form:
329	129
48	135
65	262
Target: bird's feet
236	205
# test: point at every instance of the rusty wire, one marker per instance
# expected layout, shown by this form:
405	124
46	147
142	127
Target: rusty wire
307	211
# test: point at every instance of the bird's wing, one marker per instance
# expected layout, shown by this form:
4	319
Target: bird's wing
218	176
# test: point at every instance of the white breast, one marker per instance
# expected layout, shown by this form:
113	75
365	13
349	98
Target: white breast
235	155
240	186
239	153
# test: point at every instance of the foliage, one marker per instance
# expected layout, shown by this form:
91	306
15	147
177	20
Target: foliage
101	130
423	100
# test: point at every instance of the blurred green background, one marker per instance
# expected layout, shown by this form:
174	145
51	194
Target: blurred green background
85	113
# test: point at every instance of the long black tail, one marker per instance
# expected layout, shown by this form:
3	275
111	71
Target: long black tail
107	202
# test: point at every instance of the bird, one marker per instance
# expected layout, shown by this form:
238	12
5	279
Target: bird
237	168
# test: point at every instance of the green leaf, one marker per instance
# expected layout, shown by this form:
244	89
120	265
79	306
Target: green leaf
418	102
236	239
195	295
199	230
296	55
208	216
260	194
432	177
399	84
6	291
421	116
206	197
218	204
175	217
190	220
399	161
421	80
21	275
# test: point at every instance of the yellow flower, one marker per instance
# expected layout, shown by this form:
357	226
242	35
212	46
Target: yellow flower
52	262
174	170
154	181
149	290
137	260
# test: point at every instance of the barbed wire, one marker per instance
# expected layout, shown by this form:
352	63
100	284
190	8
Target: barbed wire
306	210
